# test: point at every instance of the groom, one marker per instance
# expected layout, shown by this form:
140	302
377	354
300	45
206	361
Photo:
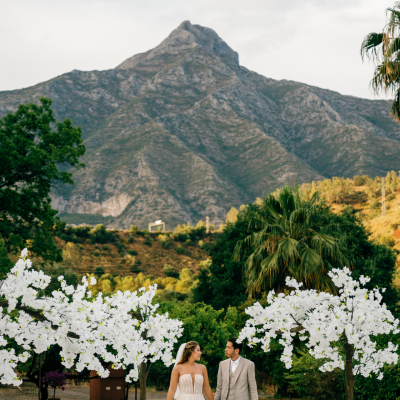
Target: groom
236	377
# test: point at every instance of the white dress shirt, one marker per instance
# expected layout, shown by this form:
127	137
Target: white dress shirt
234	364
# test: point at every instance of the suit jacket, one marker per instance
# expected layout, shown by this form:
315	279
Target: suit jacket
245	385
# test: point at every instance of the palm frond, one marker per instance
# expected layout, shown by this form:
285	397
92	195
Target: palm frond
371	45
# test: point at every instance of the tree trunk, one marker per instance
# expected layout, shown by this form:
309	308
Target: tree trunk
349	377
142	379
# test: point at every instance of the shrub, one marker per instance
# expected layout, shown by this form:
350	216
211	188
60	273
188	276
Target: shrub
147	242
375	205
129	260
360	180
135	269
169	270
132	252
120	246
131	239
180	250
133	230
387	240
164	241
105	247
96	253
395	225
99	271
391	197
188	242
119	266
201	243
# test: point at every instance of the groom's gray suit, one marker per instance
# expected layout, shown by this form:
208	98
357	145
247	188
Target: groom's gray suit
241	385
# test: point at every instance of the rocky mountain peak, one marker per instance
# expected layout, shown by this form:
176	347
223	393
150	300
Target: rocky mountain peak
186	36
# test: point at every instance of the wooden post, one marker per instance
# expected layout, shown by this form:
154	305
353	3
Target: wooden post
383	198
207	224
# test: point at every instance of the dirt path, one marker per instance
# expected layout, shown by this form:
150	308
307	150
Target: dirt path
28	392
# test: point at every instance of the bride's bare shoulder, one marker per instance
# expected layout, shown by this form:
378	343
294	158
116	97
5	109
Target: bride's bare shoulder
203	367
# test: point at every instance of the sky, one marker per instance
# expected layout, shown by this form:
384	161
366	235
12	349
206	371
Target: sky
316	42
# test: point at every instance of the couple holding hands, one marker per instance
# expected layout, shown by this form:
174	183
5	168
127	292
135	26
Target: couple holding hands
236	375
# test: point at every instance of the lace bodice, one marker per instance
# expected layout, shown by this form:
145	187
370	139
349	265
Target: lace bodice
186	385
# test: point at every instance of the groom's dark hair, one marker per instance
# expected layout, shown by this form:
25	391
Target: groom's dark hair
235	344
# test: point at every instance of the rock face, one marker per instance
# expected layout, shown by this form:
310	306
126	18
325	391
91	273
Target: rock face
183	131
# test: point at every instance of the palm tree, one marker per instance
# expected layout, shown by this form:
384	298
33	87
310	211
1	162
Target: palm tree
292	239
384	49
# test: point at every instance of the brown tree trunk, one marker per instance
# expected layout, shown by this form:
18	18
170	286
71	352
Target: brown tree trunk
348	371
143	379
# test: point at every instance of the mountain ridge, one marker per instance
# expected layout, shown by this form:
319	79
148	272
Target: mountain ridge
183	131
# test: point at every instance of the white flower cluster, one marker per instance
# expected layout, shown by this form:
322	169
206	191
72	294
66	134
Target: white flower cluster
83	327
325	322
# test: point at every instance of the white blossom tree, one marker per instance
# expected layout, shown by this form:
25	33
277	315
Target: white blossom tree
338	329
84	327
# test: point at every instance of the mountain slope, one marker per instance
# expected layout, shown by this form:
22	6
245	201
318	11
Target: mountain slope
183	131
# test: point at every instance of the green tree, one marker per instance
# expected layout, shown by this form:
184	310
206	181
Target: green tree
290	239
5	262
221	284
35	151
384	50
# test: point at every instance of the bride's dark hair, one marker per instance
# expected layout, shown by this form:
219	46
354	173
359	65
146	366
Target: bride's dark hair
187	352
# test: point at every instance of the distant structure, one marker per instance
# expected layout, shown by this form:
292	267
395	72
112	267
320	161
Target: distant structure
157	223
383	198
207	224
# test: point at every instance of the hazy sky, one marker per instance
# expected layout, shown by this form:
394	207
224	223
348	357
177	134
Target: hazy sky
312	41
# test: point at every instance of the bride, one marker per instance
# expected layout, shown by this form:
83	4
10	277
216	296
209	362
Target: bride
189	379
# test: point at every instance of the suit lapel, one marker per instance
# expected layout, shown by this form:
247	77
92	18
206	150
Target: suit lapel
227	370
238	369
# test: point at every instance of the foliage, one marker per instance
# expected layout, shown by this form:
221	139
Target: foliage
387	240
221	283
185	232
99	271
56	380
164	241
306	380
184	283
340	329
5	262
171	271
232	215
384	50
123	329
179	250
290	239
33	147
79	234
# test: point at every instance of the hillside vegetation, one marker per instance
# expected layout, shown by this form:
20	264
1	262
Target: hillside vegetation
128	260
362	196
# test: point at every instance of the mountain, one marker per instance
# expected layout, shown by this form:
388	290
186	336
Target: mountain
184	131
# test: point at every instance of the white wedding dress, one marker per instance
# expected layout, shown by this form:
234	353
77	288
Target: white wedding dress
189	390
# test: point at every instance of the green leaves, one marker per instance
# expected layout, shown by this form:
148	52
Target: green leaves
292	241
32	152
383	49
